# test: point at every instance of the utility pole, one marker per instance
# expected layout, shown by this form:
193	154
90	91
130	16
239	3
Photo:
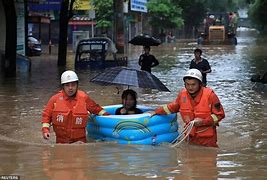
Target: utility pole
118	25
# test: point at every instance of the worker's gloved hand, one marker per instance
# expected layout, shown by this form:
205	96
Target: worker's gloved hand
78	142
198	122
46	136
46	133
106	114
151	113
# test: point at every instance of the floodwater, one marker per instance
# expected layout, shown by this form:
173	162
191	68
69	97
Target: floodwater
242	134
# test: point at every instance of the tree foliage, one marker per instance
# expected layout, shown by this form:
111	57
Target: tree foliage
242	3
104	13
221	6
165	14
258	14
194	12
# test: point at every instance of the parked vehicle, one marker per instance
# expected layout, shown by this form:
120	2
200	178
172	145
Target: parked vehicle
97	52
217	29
34	46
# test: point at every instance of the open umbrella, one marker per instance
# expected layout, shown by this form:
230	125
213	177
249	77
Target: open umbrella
145	40
130	77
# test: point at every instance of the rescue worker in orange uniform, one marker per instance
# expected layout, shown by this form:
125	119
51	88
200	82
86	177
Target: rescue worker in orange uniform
198	104
68	111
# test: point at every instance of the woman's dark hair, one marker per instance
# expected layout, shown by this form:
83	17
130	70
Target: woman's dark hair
198	50
131	93
147	47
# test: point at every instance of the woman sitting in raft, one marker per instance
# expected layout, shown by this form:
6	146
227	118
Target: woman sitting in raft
129	102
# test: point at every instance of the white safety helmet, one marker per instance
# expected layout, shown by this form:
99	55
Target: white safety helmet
193	73
68	76
212	16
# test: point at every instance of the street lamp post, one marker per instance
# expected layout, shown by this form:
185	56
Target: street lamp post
92	17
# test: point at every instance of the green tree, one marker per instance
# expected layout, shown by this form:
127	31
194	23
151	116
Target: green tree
242	3
194	11
164	14
258	14
104	13
222	5
193	14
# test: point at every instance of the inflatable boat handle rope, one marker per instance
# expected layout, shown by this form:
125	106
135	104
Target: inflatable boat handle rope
183	135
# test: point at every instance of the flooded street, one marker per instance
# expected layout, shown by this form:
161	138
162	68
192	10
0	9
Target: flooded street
242	134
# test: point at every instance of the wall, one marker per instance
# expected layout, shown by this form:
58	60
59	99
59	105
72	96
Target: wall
2	27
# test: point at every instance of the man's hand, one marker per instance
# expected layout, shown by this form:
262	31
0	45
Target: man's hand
46	135
198	122
151	113
106	114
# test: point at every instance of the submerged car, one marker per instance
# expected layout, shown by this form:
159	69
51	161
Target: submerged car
34	46
97	52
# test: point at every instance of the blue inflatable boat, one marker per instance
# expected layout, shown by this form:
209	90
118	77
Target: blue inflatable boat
133	129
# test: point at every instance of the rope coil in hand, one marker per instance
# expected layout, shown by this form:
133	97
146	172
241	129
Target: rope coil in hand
184	134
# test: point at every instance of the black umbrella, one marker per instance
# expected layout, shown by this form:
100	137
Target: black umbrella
145	40
130	77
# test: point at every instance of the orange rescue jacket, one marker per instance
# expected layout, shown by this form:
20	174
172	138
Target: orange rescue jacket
69	124
206	106
200	110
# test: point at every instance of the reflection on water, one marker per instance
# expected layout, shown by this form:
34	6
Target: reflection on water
242	134
148	161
